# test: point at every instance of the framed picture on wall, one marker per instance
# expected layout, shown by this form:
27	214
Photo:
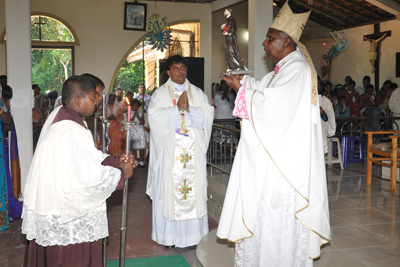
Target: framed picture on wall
135	16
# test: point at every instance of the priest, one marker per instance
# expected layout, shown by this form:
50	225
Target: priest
276	205
180	119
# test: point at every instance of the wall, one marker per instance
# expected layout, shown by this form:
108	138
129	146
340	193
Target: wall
103	42
354	60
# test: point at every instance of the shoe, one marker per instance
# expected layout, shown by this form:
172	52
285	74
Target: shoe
141	164
169	247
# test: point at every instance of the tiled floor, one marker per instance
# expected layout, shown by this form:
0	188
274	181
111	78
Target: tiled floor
138	234
365	223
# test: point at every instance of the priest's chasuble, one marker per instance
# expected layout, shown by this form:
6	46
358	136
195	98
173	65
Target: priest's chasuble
281	124
182	152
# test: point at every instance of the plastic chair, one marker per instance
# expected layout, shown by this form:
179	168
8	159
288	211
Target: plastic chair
330	159
349	140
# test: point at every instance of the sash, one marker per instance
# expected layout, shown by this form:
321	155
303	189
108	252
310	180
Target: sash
184	170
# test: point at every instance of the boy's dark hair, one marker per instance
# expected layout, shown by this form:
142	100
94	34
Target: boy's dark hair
7	92
34	86
96	80
366	78
341	97
119	89
135	101
52	95
129	92
394	86
369	86
176	59
76	86
352	82
325	84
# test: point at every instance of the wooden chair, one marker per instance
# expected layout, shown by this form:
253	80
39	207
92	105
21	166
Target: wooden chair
389	152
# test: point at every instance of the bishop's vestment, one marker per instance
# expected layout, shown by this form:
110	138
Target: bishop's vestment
276	199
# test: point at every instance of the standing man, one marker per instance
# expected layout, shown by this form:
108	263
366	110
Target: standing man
180	119
276	205
145	99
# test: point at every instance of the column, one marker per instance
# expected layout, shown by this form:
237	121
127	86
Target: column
260	17
19	74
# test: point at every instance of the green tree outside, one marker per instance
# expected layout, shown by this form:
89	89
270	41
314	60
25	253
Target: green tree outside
130	76
50	66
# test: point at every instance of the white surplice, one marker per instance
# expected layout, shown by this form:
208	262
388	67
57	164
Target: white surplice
176	220
394	105
284	128
67	187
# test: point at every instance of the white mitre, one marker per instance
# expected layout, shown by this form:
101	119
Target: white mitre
293	25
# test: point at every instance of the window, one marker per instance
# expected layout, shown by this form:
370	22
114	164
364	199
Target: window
53	42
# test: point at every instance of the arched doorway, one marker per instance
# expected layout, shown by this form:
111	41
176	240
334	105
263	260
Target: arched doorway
140	64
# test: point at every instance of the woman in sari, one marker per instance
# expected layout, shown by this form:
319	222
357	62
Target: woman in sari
5	118
114	115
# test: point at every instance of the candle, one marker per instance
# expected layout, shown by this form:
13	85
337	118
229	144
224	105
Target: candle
129	110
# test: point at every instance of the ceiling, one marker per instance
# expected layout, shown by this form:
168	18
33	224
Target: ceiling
335	14
338	14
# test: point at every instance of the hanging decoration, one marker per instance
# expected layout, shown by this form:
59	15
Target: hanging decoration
159	38
341	44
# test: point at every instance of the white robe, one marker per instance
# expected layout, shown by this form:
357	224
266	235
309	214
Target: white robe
224	108
328	127
280	127
394	105
166	230
67	187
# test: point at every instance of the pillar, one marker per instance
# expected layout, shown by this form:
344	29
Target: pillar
260	17
19	75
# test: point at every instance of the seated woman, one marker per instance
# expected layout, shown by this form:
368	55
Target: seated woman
114	115
39	116
368	98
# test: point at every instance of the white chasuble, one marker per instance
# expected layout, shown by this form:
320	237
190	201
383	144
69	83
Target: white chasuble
181	152
183	173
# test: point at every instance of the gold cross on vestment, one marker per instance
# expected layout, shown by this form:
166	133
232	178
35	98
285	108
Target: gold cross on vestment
184	189
184	158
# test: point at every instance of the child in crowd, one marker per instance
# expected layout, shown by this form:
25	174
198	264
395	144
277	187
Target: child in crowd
65	213
341	110
138	137
115	116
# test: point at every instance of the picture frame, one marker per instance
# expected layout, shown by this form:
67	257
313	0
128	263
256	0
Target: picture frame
135	16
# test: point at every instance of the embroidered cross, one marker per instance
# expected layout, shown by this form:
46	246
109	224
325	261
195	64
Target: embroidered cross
184	189
184	158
